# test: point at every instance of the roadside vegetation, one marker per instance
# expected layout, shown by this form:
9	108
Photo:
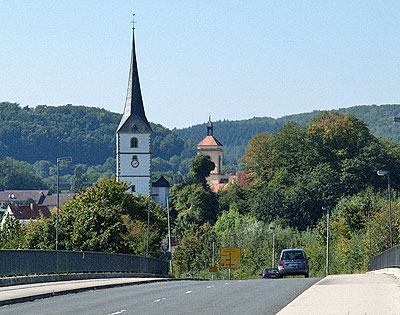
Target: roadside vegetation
291	175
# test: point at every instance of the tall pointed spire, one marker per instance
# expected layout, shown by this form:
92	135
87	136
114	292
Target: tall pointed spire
134	118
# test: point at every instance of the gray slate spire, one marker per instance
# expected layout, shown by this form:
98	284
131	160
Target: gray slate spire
134	119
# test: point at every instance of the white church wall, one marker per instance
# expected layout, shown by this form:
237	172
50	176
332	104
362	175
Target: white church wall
143	143
126	168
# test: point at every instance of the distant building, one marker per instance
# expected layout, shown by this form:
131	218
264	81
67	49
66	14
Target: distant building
160	191
25	214
38	197
211	147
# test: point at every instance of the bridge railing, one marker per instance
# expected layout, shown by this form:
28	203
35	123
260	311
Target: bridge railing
388	259
24	262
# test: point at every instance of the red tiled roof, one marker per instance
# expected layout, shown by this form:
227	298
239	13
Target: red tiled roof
30	212
217	187
211	141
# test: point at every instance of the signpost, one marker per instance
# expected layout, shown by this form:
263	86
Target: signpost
230	258
213	269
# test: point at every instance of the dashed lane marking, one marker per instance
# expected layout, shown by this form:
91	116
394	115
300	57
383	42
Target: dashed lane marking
116	313
210	286
188	292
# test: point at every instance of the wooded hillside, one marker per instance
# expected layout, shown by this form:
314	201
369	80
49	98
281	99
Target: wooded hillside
235	135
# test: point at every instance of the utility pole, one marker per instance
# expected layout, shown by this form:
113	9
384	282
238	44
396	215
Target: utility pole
327	240
273	246
59	160
169	236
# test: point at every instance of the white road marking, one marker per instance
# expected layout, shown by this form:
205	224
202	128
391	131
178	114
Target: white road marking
157	300
119	312
188	292
210	286
226	283
163	299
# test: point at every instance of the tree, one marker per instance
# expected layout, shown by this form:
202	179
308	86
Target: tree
78	179
200	168
194	252
195	204
99	219
18	175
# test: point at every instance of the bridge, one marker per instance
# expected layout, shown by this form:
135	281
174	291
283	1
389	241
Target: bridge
376	292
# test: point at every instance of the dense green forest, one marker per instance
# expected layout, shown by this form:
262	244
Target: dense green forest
38	135
235	135
41	134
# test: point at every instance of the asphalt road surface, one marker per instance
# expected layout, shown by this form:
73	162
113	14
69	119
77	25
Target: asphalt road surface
263	296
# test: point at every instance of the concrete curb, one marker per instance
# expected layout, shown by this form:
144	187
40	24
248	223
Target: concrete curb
19	280
30	298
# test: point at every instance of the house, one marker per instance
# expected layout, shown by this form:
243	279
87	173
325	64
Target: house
160	191
38	197
24	214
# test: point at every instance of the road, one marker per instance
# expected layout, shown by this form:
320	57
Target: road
178	297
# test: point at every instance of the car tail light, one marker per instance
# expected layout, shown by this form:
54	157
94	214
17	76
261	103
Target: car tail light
281	262
304	262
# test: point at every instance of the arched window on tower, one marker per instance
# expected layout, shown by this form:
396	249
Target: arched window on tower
134	142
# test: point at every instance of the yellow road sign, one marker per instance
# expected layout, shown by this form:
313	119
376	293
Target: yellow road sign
213	269
230	257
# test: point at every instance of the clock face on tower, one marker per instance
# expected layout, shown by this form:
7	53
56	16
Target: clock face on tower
135	161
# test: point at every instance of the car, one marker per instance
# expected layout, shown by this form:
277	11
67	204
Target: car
271	273
293	262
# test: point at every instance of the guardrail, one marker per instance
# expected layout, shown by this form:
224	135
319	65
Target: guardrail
24	262
388	259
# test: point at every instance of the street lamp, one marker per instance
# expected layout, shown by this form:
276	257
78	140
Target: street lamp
383	173
148	223
213	256
327	240
169	234
363	203
273	245
59	160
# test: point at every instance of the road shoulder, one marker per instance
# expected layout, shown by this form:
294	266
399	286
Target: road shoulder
371	293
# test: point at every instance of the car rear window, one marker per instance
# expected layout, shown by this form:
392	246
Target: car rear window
291	255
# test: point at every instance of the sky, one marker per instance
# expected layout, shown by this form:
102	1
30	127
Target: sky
232	59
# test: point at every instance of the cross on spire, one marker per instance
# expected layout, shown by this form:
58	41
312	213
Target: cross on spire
133	21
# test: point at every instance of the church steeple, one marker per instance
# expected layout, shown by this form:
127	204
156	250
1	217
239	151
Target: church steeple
134	118
210	128
134	137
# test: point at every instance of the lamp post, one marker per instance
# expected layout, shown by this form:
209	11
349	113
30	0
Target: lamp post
383	173
148	224
59	160
327	240
213	256
273	246
169	234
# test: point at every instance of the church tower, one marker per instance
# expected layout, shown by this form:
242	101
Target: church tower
134	136
213	148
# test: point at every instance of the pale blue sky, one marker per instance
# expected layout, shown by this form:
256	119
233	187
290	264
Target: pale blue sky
233	59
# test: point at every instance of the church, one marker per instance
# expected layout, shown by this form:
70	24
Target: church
211	147
134	146
134	142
